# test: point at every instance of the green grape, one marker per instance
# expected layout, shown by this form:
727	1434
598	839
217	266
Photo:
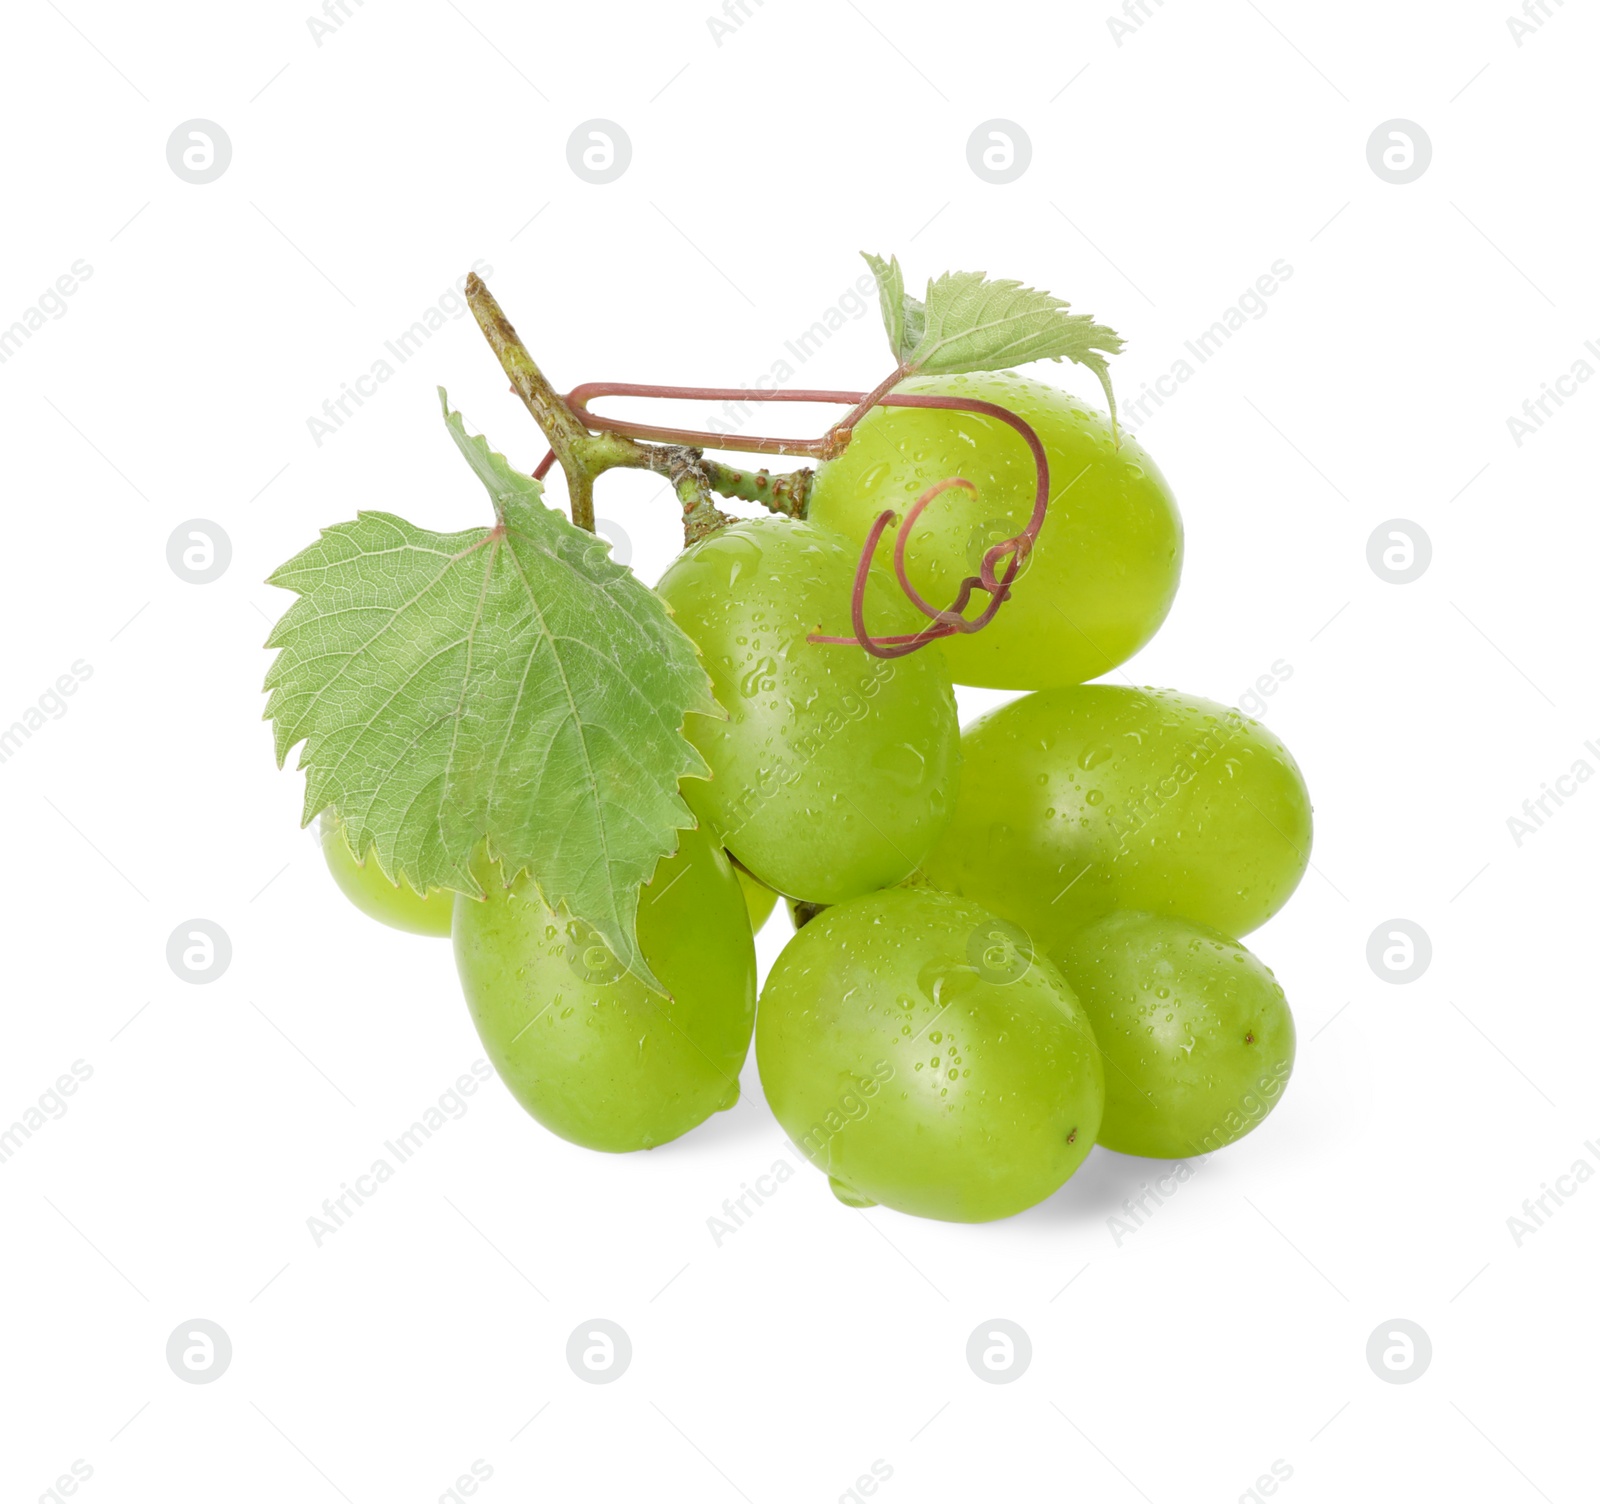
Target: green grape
834	771
1104	569
759	899
921	1061
363	883
1196	1035
1075	802
586	1047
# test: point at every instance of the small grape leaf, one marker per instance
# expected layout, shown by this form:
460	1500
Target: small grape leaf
508	683
970	323
902	316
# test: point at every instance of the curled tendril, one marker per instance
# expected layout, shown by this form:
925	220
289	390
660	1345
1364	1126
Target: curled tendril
1008	554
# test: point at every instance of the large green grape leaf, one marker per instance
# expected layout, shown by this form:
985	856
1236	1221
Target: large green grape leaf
969	323
508	683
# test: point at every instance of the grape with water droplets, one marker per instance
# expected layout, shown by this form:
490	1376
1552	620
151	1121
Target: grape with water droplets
1197	1037
1104	568
921	1065
1075	802
586	1047
834	771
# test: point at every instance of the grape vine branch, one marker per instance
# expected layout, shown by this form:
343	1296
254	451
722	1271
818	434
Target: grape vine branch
586	444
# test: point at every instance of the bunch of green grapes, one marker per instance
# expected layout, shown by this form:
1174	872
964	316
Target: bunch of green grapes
1009	944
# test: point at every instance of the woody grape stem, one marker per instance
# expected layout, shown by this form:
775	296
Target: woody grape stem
568	441
583	454
586	444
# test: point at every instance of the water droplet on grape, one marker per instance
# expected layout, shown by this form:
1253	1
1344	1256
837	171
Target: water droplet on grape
740	555
902	762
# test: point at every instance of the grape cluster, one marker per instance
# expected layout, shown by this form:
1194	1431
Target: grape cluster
1011	943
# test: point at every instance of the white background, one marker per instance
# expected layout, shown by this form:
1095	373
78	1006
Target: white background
1176	1364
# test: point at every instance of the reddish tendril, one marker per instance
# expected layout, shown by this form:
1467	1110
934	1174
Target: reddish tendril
1012	552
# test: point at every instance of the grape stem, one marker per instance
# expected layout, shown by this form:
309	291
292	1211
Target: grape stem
586	444
568	440
583	454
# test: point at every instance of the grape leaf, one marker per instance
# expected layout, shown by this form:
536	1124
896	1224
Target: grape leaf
969	323
509	683
902	316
